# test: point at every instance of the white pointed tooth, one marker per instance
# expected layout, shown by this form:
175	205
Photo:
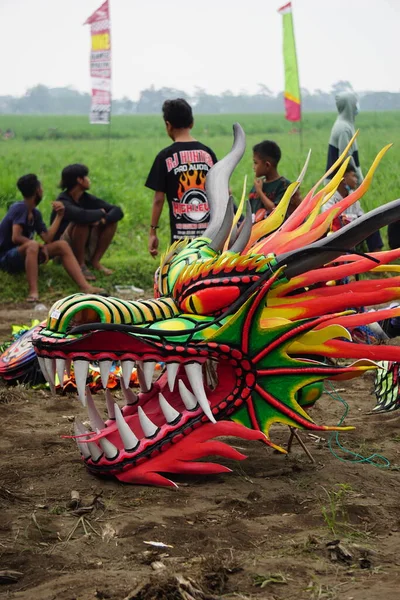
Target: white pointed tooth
189	400
94	450
60	368
149	429
141	377
127	366
169	411
105	366
51	369
110	404
42	366
195	376
95	419
110	451
130	397
79	429
81	370
148	370
50	365
172	369
129	439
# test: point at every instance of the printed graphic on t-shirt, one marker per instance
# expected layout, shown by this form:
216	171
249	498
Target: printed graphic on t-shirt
189	206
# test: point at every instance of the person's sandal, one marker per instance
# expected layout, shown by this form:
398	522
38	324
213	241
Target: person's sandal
88	275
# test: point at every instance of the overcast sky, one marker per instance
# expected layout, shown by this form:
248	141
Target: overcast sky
213	44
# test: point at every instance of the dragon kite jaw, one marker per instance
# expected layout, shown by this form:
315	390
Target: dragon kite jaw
241	334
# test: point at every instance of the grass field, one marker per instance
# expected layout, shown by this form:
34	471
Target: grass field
120	159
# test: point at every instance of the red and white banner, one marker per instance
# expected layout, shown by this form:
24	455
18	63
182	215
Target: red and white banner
100	64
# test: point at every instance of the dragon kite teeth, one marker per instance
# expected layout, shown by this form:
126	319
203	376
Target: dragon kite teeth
129	440
242	322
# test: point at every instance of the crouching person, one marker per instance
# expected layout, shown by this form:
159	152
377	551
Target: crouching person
20	252
89	223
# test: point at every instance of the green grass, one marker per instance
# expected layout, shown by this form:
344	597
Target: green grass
334	513
119	161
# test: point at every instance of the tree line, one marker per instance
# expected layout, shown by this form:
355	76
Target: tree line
41	99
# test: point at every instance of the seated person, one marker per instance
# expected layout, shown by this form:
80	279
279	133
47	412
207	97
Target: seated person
345	187
88	223
269	186
18	250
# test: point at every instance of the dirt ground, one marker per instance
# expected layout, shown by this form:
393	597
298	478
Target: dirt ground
262	531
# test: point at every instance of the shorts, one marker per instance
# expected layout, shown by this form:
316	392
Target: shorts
91	243
12	261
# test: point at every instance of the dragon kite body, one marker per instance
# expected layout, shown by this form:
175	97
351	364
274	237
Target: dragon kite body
243	320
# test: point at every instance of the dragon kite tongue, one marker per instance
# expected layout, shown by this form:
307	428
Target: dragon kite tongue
241	344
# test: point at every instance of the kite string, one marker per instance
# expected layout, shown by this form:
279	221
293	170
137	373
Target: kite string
375	460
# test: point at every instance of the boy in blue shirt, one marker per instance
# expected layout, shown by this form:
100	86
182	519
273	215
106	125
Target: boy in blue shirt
20	252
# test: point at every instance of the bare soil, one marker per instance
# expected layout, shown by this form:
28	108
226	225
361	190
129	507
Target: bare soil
259	532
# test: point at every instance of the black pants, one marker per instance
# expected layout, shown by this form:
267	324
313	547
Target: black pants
375	242
394	235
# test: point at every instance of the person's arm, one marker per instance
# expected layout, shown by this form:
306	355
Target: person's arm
83	216
156	181
49	235
17	237
266	202
112	213
158	203
295	201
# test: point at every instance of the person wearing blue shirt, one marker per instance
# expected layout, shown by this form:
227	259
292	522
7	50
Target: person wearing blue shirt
20	252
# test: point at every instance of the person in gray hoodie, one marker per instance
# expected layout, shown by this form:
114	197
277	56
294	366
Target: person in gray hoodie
342	131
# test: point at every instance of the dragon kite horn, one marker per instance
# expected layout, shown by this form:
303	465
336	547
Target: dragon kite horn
217	190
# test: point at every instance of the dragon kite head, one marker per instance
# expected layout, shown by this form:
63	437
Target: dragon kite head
241	322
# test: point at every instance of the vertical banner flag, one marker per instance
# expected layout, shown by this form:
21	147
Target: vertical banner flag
292	85
100	65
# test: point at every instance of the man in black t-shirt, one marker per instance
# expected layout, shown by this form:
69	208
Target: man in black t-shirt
179	172
89	223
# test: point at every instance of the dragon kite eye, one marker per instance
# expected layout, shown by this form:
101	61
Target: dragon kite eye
210	300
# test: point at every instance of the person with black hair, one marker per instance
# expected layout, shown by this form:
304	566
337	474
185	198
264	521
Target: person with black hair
269	187
89	223
178	173
20	252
